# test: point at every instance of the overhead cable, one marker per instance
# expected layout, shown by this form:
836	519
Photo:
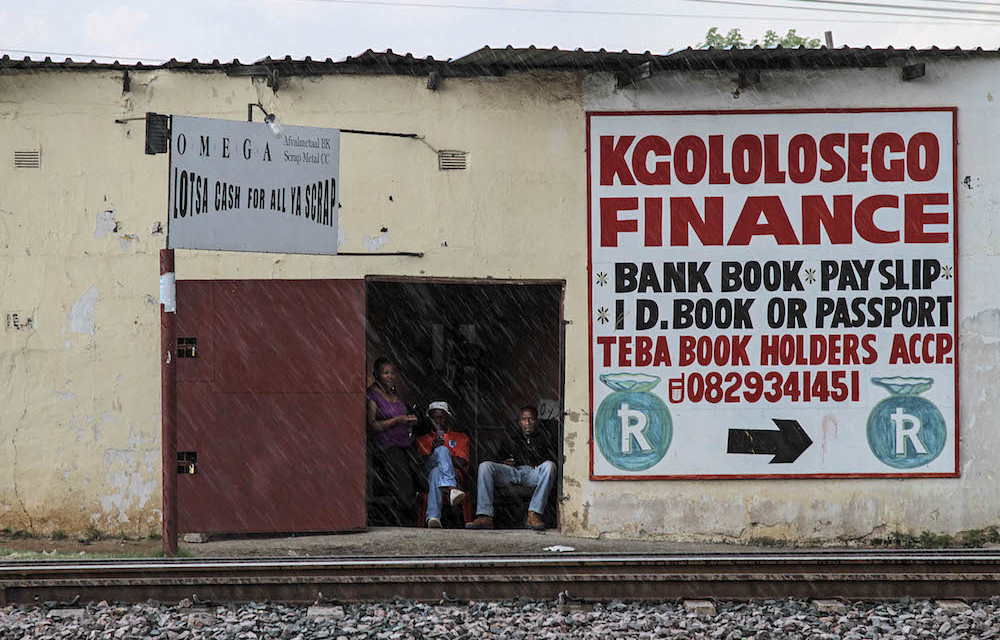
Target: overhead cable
77	56
649	14
964	19
896	6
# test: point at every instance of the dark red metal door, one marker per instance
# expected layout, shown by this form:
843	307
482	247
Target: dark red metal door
272	405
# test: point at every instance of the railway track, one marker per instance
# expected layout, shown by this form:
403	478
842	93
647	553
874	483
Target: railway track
856	575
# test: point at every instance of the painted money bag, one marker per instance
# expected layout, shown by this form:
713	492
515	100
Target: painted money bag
633	427
905	430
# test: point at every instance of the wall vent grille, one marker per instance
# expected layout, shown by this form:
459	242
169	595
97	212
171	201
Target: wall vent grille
28	159
448	160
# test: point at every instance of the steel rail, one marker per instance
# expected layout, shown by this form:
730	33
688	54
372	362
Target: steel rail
833	574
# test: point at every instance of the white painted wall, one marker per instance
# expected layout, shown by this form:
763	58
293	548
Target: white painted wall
844	510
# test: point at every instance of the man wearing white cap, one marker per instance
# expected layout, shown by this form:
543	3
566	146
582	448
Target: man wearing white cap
447	456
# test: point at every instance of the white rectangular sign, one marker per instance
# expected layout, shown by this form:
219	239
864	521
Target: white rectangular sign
772	293
235	186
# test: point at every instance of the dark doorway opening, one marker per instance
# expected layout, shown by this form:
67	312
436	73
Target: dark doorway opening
486	347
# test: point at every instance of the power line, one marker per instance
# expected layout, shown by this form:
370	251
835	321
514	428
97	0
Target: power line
851	11
963	3
647	14
894	6
77	55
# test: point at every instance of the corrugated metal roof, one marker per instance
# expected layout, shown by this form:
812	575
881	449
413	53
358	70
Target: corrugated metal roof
780	58
533	58
369	62
489	61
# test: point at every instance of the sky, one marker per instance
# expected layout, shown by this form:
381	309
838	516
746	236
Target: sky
156	31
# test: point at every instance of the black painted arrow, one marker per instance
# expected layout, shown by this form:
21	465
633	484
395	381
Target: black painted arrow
786	444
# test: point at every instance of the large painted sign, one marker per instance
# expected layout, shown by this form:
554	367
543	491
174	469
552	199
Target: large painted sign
772	293
235	186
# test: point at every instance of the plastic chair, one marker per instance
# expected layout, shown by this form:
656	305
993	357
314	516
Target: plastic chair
451	517
510	506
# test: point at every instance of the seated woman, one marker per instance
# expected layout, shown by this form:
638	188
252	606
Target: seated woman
446	454
391	423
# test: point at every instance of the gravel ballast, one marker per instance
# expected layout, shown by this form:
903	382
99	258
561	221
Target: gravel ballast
518	620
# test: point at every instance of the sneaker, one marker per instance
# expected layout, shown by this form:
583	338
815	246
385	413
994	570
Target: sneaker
433	523
534	521
481	522
455	497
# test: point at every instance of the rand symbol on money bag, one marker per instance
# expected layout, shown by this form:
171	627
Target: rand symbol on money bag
633	427
906	430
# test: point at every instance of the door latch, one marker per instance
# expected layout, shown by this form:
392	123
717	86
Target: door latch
187	462
187	347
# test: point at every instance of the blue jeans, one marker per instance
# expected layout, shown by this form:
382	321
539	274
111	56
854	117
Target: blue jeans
440	472
496	473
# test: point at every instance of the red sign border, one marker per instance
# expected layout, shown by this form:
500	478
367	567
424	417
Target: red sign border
772	476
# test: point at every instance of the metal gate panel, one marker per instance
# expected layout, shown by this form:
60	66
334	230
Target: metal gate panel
194	321
276	416
297	336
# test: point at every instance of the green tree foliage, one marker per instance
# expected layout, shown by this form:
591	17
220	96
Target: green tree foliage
771	39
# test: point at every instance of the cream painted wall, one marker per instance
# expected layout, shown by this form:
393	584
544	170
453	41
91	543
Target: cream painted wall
79	397
844	510
80	410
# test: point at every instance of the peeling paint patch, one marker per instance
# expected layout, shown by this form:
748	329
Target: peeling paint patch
126	240
130	474
81	316
985	325
106	224
74	424
570	445
80	423
373	244
63	395
971	183
786	531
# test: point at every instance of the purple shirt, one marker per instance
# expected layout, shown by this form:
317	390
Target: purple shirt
395	436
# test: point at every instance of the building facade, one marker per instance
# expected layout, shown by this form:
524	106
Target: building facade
456	261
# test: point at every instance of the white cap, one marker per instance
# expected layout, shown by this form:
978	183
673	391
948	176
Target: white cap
440	404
